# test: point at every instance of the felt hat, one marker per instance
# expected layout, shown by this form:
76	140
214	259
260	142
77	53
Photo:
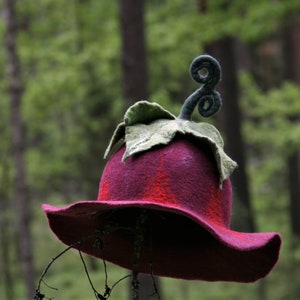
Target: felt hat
164	205
185	213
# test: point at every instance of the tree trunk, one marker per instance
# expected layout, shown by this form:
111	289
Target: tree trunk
135	81
223	50
292	72
5	232
22	204
134	66
294	191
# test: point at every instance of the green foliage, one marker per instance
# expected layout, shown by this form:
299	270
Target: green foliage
273	133
72	82
70	56
273	116
249	21
171	47
271	129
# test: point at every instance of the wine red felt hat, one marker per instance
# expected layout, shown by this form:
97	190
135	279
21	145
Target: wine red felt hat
164	205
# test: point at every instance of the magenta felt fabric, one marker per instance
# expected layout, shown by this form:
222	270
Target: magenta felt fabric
186	229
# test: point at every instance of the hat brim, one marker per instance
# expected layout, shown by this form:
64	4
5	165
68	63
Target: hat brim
176	245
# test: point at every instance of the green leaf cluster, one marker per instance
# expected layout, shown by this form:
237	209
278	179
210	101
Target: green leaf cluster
272	131
71	75
148	124
273	116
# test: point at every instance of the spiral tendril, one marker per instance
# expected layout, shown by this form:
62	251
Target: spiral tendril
206	70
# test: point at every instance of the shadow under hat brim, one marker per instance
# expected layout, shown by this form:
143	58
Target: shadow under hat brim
177	243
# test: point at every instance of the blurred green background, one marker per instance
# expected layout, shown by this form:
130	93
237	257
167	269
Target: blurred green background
68	71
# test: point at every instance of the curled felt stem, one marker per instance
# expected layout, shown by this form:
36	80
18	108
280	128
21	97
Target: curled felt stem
206	70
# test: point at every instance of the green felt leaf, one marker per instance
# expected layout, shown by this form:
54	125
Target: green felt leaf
147	125
118	134
144	112
142	137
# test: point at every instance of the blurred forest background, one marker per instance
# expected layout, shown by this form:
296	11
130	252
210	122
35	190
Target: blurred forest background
68	71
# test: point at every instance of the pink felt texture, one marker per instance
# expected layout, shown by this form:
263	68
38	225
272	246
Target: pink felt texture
186	232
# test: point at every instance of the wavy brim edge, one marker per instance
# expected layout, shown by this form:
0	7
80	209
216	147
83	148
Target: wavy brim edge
259	251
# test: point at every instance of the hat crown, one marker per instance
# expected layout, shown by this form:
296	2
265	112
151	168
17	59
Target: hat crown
182	174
